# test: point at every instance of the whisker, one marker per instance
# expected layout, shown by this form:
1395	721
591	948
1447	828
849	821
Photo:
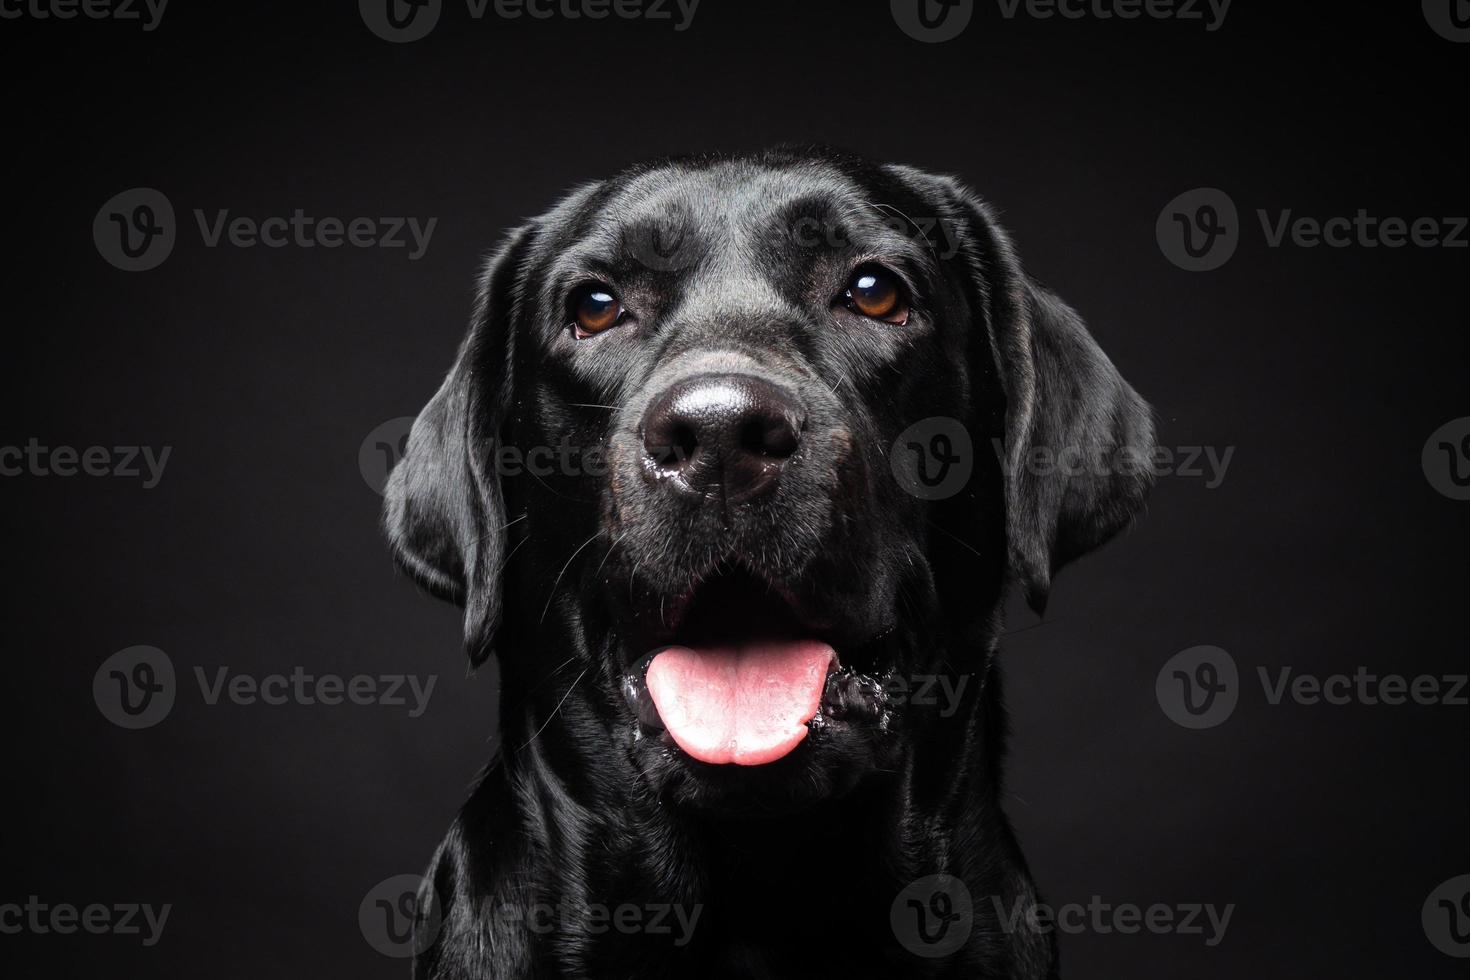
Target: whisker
1033	626
557	708
610	549
552	490
956	538
502	527
512	554
564	571
522	702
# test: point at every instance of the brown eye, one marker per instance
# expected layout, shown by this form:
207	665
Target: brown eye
875	292
597	310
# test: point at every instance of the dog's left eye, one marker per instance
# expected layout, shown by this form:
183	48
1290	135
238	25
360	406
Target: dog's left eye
876	293
597	310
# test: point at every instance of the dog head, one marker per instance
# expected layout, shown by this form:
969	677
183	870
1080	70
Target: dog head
734	444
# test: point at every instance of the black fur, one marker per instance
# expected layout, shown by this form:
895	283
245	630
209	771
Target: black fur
574	576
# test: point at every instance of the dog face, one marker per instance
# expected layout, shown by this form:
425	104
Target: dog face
664	476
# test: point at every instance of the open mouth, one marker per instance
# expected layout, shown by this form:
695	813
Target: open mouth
744	679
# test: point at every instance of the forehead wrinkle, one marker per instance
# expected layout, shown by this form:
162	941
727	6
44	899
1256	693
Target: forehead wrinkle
731	285
736	281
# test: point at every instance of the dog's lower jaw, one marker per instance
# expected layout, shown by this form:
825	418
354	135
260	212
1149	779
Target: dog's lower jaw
565	854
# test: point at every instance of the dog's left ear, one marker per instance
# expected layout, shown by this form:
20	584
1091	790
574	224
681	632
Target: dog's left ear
1078	440
444	510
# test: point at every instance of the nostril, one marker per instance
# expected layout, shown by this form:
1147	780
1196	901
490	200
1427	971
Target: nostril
681	443
670	438
772	436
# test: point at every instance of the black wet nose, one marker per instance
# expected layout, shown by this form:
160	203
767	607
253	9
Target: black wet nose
726	434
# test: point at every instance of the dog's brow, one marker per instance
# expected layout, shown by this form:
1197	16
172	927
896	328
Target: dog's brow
850	223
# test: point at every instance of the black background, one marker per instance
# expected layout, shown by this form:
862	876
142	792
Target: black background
1325	548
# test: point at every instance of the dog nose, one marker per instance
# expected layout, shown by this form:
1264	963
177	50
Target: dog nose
722	433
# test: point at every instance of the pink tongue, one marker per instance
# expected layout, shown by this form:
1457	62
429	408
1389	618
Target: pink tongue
748	705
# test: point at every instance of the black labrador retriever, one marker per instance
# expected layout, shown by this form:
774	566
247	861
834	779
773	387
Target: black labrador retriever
733	471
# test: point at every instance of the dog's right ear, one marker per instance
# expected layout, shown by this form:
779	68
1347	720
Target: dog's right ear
1077	438
444	510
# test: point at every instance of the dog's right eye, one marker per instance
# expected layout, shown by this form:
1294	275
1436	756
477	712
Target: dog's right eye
874	292
596	310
